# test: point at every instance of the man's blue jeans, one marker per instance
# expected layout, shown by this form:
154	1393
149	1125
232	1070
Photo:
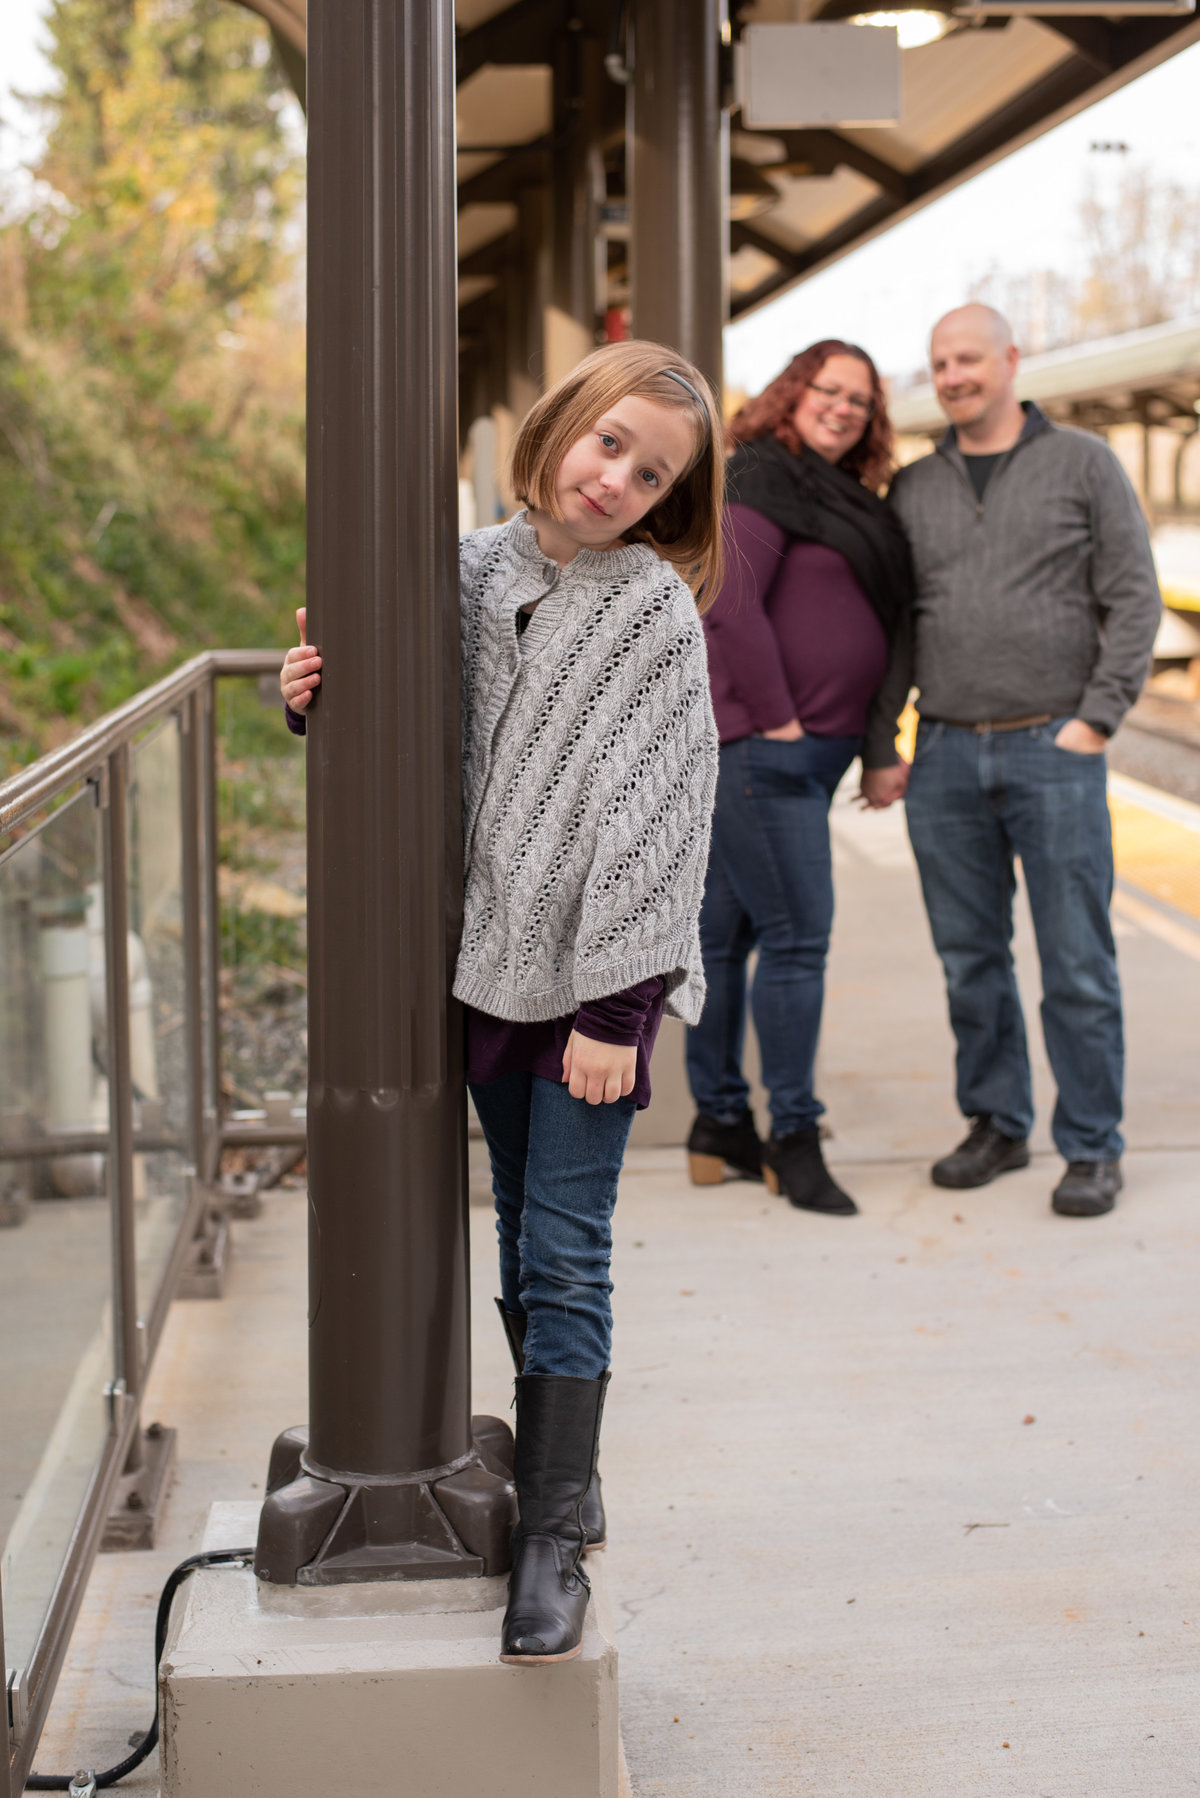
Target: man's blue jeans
975	803
769	886
555	1165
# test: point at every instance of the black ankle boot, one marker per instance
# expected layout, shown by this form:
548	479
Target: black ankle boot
595	1525
712	1147
795	1166
558	1434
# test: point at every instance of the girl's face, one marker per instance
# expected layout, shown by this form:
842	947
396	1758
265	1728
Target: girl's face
622	468
836	407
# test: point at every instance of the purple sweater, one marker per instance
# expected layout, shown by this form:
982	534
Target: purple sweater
791	634
495	1047
629	1019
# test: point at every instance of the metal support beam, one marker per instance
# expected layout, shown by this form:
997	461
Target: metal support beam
522	33
677	172
388	1482
577	194
527	290
502	180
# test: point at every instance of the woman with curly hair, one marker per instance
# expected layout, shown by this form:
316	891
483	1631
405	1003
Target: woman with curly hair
811	613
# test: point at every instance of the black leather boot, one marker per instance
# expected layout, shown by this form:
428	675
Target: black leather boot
712	1147
558	1435
795	1166
982	1154
595	1525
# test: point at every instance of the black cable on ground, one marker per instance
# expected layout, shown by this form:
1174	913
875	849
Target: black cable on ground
217	1557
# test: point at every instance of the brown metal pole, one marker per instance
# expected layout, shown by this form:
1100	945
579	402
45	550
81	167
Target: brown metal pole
678	162
390	1483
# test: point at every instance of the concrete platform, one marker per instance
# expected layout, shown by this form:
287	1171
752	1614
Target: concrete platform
376	1687
901	1506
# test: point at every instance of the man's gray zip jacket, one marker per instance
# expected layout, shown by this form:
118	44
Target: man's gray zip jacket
1042	598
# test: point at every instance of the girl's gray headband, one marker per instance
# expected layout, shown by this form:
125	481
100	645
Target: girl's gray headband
684	382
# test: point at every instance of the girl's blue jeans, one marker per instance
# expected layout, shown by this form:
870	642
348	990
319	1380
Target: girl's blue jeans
555	1165
769	887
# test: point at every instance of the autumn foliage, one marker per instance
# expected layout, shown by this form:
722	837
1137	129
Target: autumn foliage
151	362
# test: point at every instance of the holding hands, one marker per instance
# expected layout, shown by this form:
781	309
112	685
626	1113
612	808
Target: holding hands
881	787
299	677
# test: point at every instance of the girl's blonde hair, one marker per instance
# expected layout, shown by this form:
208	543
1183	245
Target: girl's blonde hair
684	528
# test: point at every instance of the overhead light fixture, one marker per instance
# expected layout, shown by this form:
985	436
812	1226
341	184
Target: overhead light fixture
912	28
750	193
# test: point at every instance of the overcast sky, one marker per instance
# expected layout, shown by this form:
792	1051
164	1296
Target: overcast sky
1022	214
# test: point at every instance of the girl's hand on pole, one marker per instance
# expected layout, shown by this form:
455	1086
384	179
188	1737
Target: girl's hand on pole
598	1072
298	678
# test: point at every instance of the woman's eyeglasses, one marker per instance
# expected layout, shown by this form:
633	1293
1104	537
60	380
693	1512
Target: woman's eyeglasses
862	408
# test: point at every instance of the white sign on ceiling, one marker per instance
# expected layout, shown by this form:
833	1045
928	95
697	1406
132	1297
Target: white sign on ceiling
791	76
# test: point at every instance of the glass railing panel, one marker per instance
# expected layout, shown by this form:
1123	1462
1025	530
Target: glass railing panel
262	898
157	1001
55	1251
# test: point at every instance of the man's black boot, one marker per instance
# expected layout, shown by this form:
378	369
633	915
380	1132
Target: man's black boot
982	1154
595	1526
713	1146
1087	1189
558	1435
795	1166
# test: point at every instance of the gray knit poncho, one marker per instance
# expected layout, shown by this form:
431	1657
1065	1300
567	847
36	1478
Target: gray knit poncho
589	774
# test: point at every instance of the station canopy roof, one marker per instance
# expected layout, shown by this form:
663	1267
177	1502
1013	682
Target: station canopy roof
1150	376
800	198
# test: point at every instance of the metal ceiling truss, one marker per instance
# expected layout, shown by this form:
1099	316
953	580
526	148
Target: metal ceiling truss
576	38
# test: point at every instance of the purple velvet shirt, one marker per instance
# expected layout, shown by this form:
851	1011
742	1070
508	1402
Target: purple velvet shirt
495	1046
629	1019
791	634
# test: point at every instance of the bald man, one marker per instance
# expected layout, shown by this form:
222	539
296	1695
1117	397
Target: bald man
1035	616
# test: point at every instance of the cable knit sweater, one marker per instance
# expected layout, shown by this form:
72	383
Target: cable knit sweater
589	774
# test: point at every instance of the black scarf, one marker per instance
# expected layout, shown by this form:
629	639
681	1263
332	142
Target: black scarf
815	500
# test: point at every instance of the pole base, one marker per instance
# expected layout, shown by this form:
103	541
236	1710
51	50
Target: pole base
384	1689
316	1531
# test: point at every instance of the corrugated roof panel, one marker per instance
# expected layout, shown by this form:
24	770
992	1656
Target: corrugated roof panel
749	268
479	224
813	205
510	105
953	84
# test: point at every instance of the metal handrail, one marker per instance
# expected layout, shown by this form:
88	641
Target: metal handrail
35	786
101	754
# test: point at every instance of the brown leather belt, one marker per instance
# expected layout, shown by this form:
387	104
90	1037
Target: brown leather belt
992	724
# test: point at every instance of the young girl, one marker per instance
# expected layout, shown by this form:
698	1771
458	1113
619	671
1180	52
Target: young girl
589	775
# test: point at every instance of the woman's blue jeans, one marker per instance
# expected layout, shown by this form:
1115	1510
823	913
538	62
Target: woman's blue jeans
555	1165
769	887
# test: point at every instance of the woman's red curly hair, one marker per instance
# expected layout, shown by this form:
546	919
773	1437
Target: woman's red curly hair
770	414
